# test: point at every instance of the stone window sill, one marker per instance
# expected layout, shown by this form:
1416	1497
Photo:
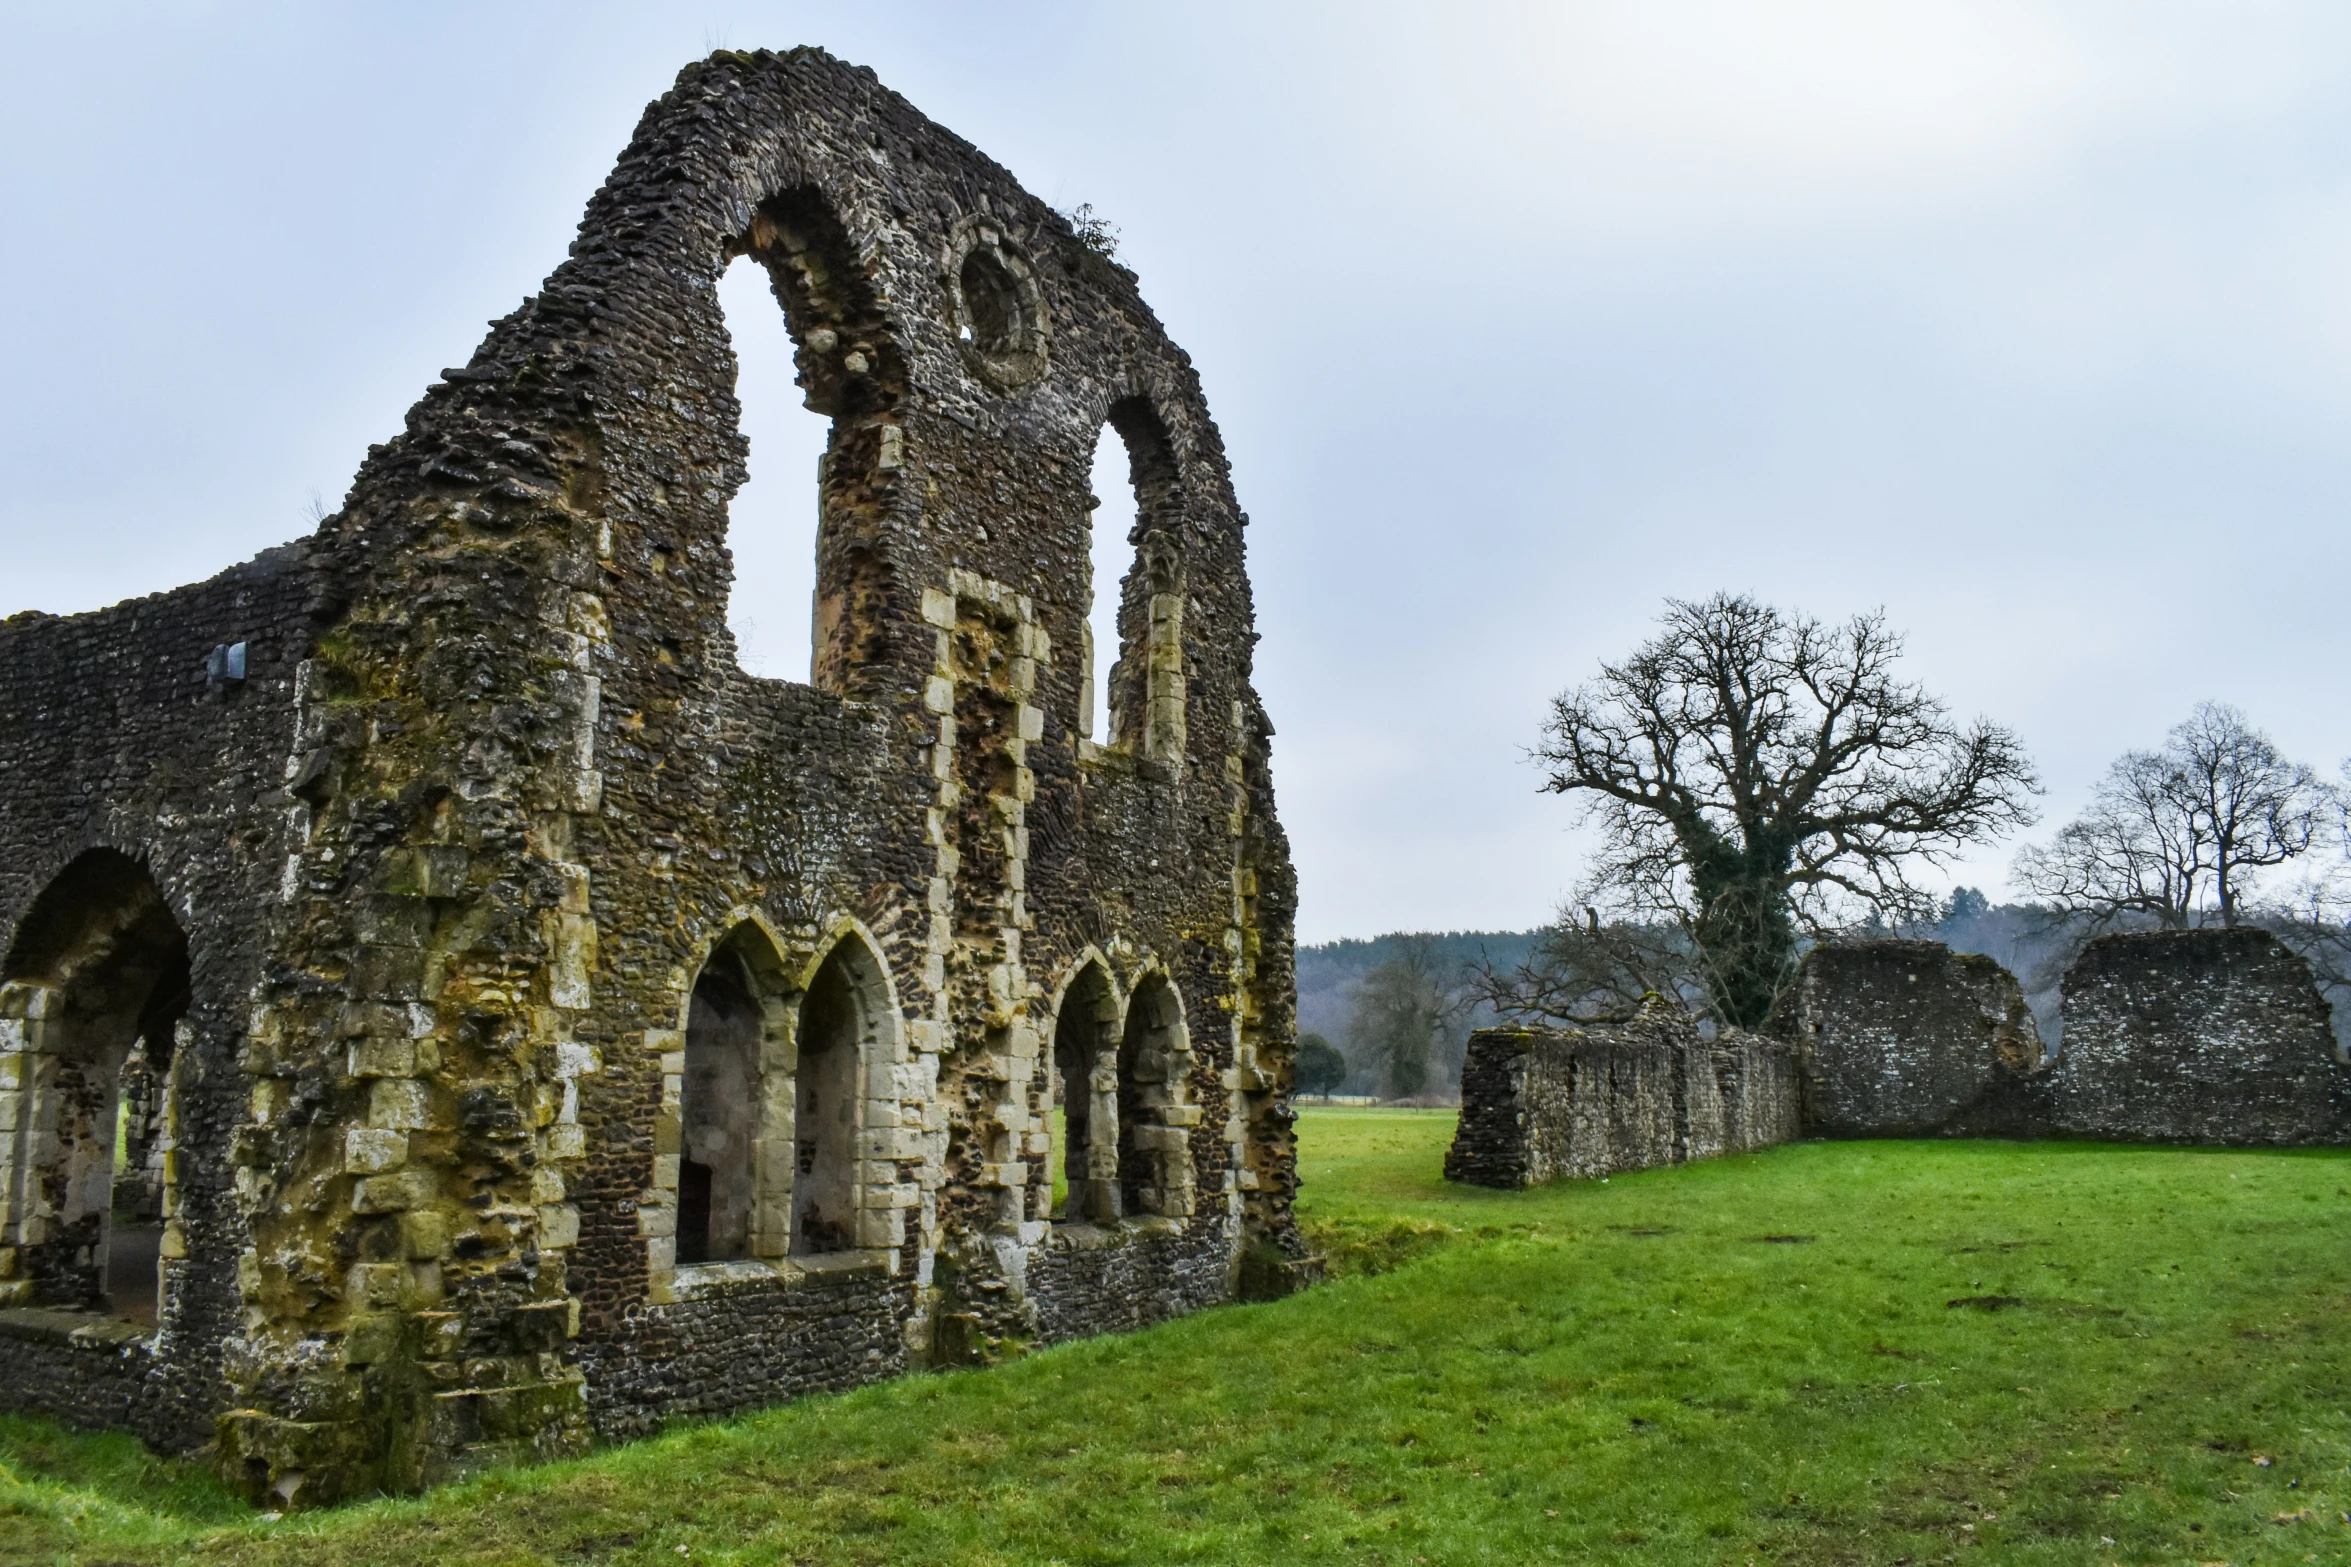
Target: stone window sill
1086	1235
73	1329
703	1280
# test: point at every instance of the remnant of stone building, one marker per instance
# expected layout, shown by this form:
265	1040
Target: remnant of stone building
1538	1104
2204	1036
2208	1036
542	1027
1908	1039
2196	1036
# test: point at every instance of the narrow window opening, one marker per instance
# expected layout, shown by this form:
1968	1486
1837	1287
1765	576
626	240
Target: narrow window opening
1111	549
1134	697
772	522
824	1184
718	1115
1154	1060
1085	1091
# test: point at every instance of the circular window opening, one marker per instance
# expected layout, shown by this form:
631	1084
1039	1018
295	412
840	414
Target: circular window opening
999	316
991	305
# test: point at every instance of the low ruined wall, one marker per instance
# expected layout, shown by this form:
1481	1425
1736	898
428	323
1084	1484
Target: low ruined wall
1537	1104
1761	1090
1909	1039
85	1370
2203	1036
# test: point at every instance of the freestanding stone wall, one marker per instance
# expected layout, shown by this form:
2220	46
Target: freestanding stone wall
2198	1036
2203	1036
1539	1104
559	1029
1909	1039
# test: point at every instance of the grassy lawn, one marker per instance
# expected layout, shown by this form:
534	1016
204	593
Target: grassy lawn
1865	1352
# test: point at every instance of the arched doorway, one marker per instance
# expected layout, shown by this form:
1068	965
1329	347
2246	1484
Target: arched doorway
94	987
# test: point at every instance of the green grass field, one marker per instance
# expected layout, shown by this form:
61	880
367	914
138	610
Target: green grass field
1858	1352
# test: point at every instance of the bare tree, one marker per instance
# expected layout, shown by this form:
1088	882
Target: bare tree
1405	1011
2181	833
1753	773
1587	971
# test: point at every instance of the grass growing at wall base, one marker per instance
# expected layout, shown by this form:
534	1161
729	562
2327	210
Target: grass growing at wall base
1859	1352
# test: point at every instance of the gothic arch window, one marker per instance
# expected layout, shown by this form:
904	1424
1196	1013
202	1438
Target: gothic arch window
837	1033
1085	1085
1133	693
95	985
809	339
732	1154
1154	1118
771	1105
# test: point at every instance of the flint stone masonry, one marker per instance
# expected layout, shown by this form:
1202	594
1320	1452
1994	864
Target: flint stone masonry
2203	1036
1541	1104
1909	1039
396	860
2200	1036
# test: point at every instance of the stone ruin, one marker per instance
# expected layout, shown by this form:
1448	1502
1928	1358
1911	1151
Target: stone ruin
1541	1103
2199	1036
2207	1036
467	1015
1908	1039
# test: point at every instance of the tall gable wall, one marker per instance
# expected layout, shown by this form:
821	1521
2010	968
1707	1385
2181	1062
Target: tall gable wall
510	797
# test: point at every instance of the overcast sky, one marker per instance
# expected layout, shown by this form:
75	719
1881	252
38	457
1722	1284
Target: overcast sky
2031	324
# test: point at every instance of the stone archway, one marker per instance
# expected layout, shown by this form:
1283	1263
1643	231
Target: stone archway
96	978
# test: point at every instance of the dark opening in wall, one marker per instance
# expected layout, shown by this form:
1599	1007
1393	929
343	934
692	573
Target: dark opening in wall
1154	1060
991	304
824	1173
718	1114
1085	1078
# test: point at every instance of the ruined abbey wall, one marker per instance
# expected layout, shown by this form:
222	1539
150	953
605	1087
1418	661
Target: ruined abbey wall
2203	1036
1540	1104
2211	1036
1909	1039
484	860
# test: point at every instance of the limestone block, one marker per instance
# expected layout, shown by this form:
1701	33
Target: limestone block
371	1150
373	1284
377	1055
559	1225
397	1103
393	1193
424	1234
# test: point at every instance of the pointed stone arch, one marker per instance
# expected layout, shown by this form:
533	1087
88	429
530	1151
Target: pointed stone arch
1155	1117
1087	1010
732	1168
96	977
849	1035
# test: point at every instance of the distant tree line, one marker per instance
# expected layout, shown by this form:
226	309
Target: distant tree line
1762	781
